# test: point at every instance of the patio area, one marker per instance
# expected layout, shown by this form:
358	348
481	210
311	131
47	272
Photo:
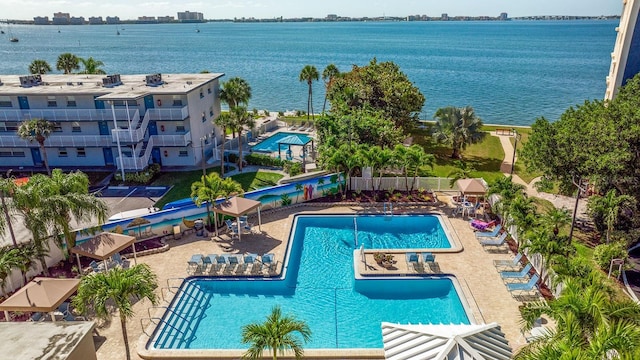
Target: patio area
480	283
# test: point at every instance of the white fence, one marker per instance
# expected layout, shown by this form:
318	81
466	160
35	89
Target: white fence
400	183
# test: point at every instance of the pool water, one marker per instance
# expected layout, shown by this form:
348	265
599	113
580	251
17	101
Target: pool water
319	289
270	144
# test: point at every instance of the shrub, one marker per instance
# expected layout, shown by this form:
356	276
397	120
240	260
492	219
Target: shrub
604	253
292	168
263	160
141	177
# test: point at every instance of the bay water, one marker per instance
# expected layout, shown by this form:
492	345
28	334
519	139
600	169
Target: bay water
511	72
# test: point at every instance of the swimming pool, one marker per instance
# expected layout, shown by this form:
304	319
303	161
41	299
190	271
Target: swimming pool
319	288
270	144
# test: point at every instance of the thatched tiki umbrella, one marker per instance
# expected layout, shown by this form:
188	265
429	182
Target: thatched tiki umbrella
138	222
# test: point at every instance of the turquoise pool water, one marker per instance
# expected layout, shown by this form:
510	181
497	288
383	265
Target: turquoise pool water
319	288
270	144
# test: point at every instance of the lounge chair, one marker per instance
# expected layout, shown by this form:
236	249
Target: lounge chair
194	264
480	225
37	316
499	241
492	233
96	267
232	263
207	262
516	276
120	260
221	261
413	260
508	265
429	259
267	261
71	317
518	289
233	229
248	260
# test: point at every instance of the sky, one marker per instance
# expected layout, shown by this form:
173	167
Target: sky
228	9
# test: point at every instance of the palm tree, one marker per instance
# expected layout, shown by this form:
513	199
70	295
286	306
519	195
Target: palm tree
91	66
463	170
328	74
9	260
7	187
235	92
609	207
224	121
108	291
67	62
39	67
240	118
25	256
556	219
385	159
276	334
416	159
309	74
38	130
212	187
457	127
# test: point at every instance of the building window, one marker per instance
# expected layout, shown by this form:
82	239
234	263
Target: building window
183	153
62	152
201	94
204	117
5	101
9	126
180	129
126	153
177	101
71	101
51	101
208	90
9	153
57	127
75	127
211	111
81	152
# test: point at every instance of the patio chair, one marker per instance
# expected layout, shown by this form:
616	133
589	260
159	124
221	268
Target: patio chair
37	316
233	229
518	289
248	260
429	259
516	276
508	265
267	261
194	264
221	261
96	267
496	242
492	233
120	260
413	260
71	317
232	263
207	262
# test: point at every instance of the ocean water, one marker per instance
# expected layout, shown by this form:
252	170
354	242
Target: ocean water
510	72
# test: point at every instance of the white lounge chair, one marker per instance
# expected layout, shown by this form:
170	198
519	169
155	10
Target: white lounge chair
194	264
508	265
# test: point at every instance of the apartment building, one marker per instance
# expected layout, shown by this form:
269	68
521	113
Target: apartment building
117	121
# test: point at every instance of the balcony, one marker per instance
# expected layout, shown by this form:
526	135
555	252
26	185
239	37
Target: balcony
67	114
172	140
59	141
175	114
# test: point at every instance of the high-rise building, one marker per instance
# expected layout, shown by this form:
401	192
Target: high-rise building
60	18
188	16
625	58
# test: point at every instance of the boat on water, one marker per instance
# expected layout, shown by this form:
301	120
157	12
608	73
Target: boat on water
1	31
117	32
197	30
14	39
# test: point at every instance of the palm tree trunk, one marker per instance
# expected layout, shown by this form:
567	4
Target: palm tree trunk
44	158
240	150
8	219
123	323
313	116
309	101
224	137
324	105
45	268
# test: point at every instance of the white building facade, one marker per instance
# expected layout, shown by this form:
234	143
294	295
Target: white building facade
123	122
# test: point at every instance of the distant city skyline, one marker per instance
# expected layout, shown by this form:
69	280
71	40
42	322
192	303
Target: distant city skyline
229	9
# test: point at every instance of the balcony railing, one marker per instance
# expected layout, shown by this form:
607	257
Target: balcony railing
175	114
67	114
172	140
133	135
59	141
136	162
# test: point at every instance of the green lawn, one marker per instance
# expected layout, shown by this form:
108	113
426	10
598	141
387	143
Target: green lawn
181	182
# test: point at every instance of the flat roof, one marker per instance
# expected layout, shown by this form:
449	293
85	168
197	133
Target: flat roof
132	87
42	340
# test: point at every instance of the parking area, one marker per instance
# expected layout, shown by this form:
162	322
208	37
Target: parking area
125	198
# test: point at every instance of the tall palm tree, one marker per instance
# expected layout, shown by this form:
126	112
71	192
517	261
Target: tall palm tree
212	187
91	66
328	74
37	130
417	159
240	118
39	67
457	127
556	219
276	334
108	291
224	121
609	207
235	92
7	187
309	74
67	62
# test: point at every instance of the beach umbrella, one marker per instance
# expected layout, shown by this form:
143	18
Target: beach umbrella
138	222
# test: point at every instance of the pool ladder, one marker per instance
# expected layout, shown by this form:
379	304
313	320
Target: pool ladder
387	208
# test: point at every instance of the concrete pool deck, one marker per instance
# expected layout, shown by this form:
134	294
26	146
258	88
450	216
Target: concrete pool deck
480	283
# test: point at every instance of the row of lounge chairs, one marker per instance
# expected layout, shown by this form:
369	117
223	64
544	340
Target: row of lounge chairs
516	277
421	262
302	127
213	264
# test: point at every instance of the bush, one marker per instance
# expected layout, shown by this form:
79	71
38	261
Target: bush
292	168
604	253
263	160
141	177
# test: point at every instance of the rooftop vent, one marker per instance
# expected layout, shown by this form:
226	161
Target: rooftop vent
189	82
30	80
154	80
111	81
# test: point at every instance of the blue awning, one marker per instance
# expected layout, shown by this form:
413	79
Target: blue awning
293	140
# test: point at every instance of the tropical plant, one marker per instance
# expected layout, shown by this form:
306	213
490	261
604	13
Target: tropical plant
276	334
67	62
551	248
463	170
25	256
608	207
328	74
9	260
224	121
7	187
309	74
91	66
39	67
37	130
457	127
212	187
235	92
239	119
556	219
108	291
604	253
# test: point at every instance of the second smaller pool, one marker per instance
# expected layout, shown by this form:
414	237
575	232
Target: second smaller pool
378	231
270	144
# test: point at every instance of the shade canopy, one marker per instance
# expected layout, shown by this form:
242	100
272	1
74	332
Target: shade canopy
444	342
41	295
103	245
472	186
237	206
294	140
